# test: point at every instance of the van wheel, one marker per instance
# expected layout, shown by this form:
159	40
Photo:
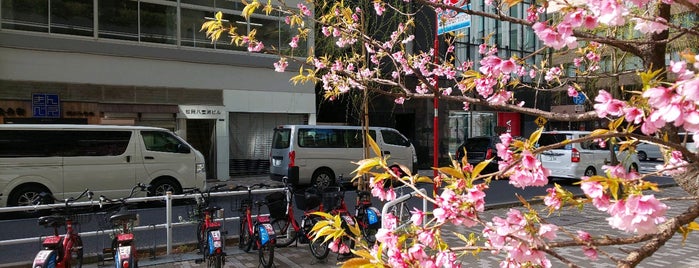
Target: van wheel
589	172
633	168
323	178
642	156
162	186
26	195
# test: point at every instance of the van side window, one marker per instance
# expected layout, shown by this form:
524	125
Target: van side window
160	141
98	143
394	138
30	143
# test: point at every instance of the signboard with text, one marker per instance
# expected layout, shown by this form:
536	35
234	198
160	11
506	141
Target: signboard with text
201	112
46	105
450	20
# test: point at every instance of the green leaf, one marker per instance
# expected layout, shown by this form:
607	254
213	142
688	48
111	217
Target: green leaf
452	172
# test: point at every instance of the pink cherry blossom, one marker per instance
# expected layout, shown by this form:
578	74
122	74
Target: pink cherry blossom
607	105
552	199
638	214
280	65
647	26
379	7
572	92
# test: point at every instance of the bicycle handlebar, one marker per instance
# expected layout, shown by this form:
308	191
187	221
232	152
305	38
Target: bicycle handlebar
141	186
67	201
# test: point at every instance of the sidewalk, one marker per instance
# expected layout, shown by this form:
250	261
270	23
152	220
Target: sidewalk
674	253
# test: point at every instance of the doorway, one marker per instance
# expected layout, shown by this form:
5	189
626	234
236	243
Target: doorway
201	134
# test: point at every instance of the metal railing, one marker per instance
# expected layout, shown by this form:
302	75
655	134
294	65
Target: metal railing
168	225
400	202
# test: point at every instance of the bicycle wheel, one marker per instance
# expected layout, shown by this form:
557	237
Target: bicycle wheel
76	252
201	241
368	232
215	261
245	241
267	254
285	232
319	248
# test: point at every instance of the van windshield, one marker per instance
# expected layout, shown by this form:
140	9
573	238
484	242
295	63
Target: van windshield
281	138
547	139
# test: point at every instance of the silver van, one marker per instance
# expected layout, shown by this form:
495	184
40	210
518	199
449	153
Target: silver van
575	160
109	160
320	153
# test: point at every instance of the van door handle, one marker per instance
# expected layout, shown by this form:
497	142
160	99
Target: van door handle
149	157
128	159
386	152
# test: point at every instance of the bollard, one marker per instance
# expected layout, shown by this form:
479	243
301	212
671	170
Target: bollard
168	221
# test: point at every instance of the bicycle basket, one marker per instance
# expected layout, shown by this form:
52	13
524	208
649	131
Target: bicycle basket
331	198
308	199
276	202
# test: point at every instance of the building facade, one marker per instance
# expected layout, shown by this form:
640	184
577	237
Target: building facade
148	63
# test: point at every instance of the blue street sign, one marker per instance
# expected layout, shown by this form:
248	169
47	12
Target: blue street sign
579	99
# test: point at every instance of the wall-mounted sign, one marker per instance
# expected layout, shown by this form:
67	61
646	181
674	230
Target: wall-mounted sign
201	112
451	20
46	105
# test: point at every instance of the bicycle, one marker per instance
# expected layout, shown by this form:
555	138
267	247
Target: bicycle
259	231
209	237
61	251
123	246
334	197
288	229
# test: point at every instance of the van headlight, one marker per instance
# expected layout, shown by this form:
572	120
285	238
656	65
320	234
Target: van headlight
200	168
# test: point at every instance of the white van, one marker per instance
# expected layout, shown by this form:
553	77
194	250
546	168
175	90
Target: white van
323	152
66	159
575	160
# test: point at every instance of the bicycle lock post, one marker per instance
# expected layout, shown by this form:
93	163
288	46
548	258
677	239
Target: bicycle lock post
168	221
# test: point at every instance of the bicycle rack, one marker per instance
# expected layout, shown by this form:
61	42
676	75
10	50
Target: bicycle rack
153	250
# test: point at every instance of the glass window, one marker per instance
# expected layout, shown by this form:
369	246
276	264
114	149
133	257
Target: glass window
73	17
158	23
280	140
161	141
24	143
26	15
191	26
547	139
394	138
118	19
267	31
98	143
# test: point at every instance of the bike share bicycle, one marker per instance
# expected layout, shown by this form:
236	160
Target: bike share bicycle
209	236
123	245
288	229
365	216
259	231
61	251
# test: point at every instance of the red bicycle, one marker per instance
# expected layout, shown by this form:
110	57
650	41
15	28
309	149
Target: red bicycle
288	229
61	251
209	236
123	246
259	231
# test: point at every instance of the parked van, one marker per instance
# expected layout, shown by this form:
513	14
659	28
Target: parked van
575	160
320	153
109	160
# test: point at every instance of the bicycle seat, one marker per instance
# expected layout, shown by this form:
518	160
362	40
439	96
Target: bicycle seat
123	215
53	221
211	209
363	194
